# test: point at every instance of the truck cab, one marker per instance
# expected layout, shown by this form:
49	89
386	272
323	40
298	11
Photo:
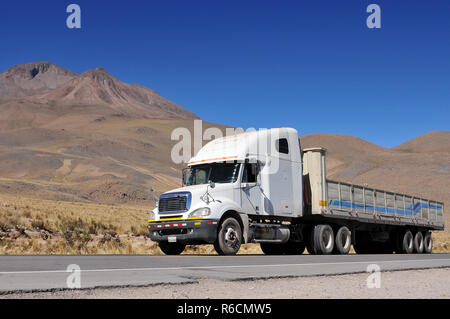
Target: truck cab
252	175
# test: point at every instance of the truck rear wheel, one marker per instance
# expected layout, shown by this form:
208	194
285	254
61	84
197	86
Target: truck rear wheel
427	243
323	237
171	248
343	241
418	243
405	242
229	237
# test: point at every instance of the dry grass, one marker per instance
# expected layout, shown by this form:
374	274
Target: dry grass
441	242
34	226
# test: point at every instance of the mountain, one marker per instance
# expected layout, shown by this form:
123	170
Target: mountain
427	143
99	88
91	138
32	78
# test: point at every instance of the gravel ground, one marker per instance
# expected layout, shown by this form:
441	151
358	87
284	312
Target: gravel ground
429	283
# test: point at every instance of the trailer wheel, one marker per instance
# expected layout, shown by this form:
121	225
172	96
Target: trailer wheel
323	240
427	243
343	241
171	248
405	244
229	237
418	243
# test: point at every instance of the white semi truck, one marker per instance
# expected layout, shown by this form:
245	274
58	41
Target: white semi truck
261	187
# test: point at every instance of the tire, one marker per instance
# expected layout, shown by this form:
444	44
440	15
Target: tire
323	240
342	241
171	248
405	242
229	237
418	243
427	243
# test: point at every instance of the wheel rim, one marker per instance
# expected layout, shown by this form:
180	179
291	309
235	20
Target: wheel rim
345	241
231	237
327	239
428	243
411	243
420	245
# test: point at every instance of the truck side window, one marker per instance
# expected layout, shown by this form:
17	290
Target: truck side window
282	146
250	173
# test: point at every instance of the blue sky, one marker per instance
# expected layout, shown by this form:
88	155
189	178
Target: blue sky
313	65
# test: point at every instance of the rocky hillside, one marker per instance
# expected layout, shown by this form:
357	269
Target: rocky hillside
32	78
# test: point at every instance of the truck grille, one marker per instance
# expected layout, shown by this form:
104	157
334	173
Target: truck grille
175	202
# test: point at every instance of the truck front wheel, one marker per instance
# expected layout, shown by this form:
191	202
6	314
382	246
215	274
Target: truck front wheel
171	248
229	237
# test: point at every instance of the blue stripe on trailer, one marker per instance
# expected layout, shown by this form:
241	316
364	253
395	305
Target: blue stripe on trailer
410	210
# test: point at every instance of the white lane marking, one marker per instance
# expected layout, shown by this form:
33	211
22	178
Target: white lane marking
223	267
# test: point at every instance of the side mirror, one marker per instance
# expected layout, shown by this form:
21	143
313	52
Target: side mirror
183	176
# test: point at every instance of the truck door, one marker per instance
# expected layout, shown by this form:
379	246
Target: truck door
250	189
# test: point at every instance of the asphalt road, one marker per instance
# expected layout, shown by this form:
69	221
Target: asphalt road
46	273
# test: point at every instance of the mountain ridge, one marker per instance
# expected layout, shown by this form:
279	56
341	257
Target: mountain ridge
32	78
44	83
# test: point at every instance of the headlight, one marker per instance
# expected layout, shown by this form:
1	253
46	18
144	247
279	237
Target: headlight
201	212
152	216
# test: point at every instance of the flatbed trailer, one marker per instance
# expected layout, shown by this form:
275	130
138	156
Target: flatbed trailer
363	204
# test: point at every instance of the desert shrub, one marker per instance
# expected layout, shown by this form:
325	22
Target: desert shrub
96	228
38	223
26	213
75	232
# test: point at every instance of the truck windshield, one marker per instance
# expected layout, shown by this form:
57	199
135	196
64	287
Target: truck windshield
215	172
